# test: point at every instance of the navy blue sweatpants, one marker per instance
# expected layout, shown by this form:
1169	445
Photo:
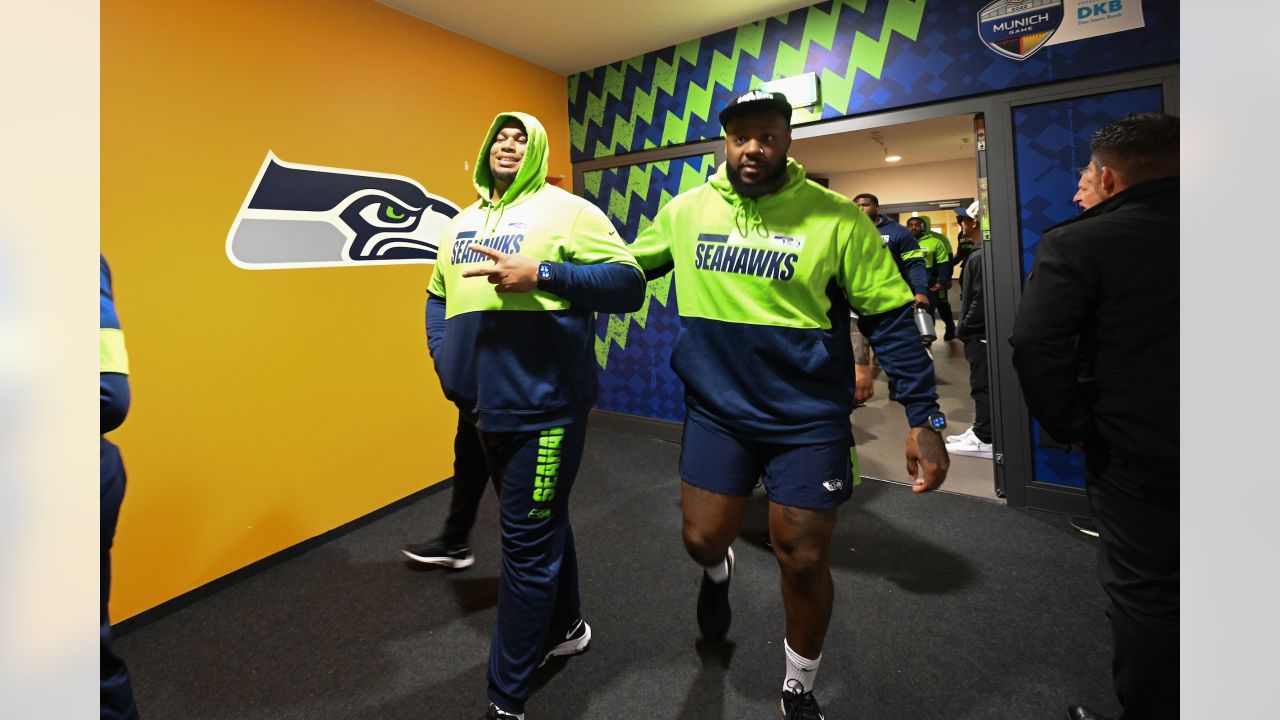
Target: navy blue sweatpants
538	594
117	692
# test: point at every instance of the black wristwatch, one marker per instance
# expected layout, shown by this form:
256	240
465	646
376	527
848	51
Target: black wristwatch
544	275
935	421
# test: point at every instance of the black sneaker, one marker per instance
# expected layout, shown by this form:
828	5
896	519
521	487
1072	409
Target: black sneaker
437	553
572	642
496	714
798	704
714	613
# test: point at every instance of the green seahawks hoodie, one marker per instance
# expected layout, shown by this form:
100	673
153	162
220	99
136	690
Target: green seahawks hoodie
937	254
765	286
514	362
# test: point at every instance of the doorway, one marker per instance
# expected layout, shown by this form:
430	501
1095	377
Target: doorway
927	169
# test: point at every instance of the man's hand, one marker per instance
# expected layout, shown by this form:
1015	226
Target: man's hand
510	272
922	300
863	388
926	451
935	287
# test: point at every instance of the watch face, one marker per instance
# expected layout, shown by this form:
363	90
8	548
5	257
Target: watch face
544	271
937	421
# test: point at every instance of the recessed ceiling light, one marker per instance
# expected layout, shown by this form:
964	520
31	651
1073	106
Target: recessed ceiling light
892	158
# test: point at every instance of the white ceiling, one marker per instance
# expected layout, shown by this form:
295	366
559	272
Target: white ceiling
570	36
925	141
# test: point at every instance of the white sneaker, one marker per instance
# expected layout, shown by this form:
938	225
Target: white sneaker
971	446
961	437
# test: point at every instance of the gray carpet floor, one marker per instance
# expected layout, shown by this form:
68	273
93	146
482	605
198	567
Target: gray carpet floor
947	606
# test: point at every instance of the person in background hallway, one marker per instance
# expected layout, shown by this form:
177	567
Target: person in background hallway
1087	195
1088	191
971	329
1095	346
510	330
452	547
117	701
937	261
767	267
906	252
964	245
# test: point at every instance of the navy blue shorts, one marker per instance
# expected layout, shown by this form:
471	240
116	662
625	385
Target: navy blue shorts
814	476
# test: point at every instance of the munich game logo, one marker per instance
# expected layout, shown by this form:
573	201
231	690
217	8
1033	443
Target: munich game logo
298	216
1018	28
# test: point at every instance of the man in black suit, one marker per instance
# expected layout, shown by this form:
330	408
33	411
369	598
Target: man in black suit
1096	351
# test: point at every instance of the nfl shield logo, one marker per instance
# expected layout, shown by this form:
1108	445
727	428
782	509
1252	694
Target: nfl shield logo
1018	28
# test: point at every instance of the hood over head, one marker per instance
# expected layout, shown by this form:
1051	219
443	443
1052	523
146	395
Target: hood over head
531	175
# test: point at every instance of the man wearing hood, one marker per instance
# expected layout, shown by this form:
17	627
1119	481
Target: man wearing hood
937	262
510	306
768	265
906	251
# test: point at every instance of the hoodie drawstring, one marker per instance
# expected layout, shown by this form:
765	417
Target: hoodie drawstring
488	211
748	211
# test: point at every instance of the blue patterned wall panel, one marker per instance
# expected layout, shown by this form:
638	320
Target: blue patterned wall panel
634	350
870	55
1051	143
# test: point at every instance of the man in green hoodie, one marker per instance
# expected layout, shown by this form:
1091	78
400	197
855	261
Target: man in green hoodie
937	263
768	265
510	306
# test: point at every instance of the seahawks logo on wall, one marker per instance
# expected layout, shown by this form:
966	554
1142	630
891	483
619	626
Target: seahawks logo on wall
298	216
1018	28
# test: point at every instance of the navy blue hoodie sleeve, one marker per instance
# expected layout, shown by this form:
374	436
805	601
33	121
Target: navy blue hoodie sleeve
606	287
113	380
113	400
894	337
910	259
942	271
435	326
917	275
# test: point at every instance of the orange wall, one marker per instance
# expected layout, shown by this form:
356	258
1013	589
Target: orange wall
272	406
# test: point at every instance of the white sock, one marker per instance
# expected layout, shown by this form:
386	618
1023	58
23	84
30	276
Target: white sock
799	669
720	571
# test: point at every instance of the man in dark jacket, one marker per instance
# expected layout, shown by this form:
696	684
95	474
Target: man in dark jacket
1095	348
971	329
906	251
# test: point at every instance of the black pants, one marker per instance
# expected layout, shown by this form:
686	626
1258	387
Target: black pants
116	688
975	351
949	322
470	478
1138	568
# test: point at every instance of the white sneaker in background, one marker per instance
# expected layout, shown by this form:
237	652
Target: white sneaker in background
970	446
961	437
